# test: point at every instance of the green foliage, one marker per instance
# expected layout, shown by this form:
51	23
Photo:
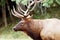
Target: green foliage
8	33
2	3
25	2
22	1
13	0
47	3
58	1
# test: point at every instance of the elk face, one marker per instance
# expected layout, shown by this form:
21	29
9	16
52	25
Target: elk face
22	25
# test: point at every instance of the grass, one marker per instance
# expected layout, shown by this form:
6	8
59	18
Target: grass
8	33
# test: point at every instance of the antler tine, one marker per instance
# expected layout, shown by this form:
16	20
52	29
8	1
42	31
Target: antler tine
35	1
19	10
16	13
39	1
20	7
28	7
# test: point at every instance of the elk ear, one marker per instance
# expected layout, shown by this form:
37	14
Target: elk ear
29	17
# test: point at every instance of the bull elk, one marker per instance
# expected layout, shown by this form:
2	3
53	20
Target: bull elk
37	29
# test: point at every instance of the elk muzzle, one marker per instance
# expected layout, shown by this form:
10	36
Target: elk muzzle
15	29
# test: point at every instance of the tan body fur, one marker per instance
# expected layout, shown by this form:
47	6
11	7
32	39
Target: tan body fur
51	29
47	29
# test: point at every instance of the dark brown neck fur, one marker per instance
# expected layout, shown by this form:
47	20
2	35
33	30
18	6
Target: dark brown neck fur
32	33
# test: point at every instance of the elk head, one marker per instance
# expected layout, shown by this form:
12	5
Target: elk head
25	15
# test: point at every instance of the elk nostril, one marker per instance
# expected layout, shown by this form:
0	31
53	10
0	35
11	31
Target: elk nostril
14	29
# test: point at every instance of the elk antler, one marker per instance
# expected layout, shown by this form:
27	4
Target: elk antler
16	13
35	2
26	12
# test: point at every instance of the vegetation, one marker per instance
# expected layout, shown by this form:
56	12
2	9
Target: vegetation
8	33
45	9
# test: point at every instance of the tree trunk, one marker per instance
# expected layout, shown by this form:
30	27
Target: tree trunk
4	15
12	19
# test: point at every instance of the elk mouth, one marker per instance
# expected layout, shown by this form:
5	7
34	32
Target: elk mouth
17	29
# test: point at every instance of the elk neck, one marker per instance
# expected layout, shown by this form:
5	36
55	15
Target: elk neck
34	28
